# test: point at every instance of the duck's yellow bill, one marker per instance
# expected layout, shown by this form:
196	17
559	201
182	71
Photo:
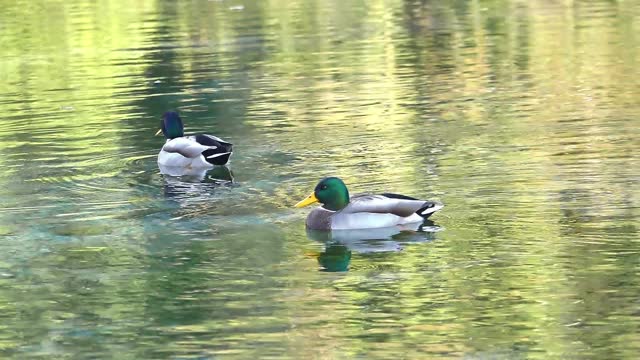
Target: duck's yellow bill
312	254
158	132
307	201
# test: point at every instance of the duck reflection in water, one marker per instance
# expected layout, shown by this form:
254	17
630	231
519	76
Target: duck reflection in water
180	181
192	174
336	257
339	244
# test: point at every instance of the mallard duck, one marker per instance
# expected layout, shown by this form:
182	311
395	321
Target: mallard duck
193	151
362	211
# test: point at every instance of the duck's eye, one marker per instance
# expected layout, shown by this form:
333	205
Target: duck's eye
323	187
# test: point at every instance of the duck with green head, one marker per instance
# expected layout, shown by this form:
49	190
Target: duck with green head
192	151
339	211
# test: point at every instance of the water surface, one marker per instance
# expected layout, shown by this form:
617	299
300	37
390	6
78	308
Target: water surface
520	116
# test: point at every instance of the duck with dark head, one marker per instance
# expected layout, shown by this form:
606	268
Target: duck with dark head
339	211
191	151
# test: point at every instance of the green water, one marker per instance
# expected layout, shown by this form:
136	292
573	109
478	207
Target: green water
520	116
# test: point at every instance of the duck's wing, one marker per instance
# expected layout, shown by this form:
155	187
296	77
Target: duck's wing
186	146
388	203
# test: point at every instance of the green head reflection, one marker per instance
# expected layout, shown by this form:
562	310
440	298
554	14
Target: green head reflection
335	258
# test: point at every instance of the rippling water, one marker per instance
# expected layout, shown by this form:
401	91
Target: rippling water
522	117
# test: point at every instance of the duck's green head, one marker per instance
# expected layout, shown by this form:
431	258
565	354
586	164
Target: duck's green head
331	192
171	125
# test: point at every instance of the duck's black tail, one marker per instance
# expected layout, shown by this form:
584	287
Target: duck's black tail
429	208
217	158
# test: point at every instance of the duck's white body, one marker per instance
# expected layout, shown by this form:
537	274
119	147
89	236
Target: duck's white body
366	220
196	151
176	160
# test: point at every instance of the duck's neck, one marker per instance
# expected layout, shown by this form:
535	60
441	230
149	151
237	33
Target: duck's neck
173	130
339	201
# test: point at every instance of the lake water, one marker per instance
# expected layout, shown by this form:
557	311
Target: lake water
520	116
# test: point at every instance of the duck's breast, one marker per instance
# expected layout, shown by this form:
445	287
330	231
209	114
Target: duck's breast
319	219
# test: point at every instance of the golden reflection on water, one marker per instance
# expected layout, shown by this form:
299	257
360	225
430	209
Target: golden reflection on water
519	116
